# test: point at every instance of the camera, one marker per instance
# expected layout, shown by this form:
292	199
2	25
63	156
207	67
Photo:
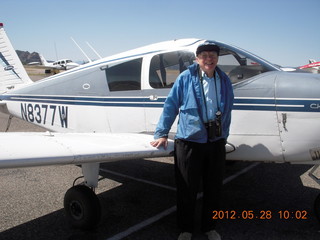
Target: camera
214	127
218	124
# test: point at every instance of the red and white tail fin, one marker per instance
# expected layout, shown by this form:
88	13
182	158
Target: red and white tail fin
12	72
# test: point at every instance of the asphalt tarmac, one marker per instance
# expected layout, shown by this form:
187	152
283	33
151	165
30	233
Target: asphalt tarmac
260	200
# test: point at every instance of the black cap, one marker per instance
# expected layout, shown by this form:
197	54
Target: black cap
208	47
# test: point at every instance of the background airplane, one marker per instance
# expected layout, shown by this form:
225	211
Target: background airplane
62	64
313	65
104	110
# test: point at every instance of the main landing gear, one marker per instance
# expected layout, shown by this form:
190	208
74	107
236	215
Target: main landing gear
81	204
82	207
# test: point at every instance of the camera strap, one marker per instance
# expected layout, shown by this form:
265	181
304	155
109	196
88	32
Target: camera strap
203	95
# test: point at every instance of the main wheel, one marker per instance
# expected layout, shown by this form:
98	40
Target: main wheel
82	207
317	207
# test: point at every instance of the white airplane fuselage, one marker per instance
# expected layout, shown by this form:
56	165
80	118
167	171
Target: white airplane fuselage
276	116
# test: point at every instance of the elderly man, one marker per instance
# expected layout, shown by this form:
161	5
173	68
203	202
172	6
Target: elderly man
203	97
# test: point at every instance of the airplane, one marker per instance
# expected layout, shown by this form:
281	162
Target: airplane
61	64
33	63
108	109
313	65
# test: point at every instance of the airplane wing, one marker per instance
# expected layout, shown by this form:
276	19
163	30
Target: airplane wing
39	66
39	149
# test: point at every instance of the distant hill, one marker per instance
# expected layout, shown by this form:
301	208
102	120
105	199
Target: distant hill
26	57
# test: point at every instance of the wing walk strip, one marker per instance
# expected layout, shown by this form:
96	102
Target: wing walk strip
168	211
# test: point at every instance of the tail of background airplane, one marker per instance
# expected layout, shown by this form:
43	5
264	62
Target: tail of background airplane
43	60
12	72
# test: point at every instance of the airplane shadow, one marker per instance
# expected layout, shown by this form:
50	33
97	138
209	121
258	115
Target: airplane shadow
123	205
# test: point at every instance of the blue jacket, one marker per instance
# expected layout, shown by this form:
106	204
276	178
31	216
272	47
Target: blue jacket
185	99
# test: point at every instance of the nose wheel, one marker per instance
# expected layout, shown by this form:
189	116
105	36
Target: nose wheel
82	207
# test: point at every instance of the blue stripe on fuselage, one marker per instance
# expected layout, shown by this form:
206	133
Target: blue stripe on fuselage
248	104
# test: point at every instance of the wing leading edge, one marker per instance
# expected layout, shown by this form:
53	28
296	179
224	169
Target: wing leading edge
41	149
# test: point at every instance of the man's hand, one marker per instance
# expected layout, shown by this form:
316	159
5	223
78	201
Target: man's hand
160	142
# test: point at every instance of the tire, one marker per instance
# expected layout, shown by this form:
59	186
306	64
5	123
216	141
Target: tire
82	207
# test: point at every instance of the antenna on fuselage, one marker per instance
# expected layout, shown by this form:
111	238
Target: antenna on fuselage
81	49
99	56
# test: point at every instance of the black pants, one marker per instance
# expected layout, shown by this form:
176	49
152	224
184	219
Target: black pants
197	163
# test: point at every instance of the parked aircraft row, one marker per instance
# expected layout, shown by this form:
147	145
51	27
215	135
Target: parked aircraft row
107	110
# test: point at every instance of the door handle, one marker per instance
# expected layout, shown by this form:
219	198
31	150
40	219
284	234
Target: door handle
153	97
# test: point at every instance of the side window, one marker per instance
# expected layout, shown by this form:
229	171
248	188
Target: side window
165	68
125	76
237	66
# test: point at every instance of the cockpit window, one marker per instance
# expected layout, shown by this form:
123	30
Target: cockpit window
165	68
238	67
125	76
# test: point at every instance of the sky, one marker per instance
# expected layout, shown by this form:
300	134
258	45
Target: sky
285	32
